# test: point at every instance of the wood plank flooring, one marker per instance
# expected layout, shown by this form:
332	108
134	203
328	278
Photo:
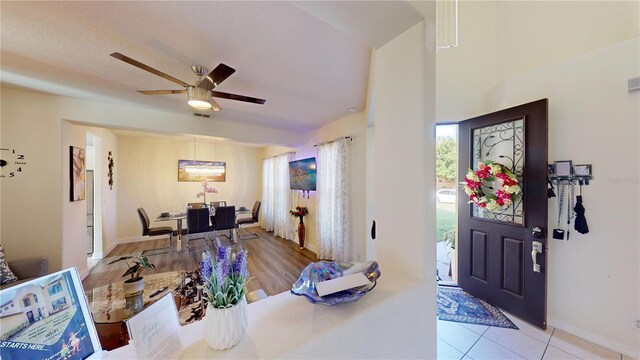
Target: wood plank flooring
274	263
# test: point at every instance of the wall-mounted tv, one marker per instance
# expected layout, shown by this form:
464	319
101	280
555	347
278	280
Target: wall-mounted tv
302	174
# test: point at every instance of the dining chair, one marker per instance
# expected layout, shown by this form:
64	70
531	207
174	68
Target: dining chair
197	225
225	219
255	214
147	230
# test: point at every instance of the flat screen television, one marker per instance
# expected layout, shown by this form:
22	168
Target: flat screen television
302	174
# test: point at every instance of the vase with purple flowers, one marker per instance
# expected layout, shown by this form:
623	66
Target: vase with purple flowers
225	277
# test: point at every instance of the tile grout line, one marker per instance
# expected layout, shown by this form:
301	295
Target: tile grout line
548	342
463	355
504	347
474	344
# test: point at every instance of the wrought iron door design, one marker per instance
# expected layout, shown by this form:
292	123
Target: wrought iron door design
502	143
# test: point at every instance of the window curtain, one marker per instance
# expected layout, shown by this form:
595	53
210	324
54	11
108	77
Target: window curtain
277	196
333	218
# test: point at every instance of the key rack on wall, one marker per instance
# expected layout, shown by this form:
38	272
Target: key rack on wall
564	172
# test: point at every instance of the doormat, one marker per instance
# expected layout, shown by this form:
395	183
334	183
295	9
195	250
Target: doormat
456	305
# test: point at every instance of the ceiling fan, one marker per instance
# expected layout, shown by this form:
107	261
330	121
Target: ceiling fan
200	96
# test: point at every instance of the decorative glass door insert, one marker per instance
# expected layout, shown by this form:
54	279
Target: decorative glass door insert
502	143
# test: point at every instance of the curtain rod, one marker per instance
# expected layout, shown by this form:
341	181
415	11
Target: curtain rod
275	156
329	142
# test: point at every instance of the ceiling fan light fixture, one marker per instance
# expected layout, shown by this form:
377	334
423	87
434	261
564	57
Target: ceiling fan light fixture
199	98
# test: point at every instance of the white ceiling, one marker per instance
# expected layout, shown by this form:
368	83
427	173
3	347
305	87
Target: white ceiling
309	71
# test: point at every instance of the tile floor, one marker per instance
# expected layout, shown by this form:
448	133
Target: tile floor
476	342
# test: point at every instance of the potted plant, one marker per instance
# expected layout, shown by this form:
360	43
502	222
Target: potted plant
224	288
300	212
449	237
134	269
206	189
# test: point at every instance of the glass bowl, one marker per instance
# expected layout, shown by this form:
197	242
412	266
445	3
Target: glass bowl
327	270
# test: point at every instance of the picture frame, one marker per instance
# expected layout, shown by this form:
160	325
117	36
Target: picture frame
563	168
198	170
77	173
582	170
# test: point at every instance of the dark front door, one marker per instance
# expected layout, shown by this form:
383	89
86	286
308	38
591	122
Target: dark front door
496	258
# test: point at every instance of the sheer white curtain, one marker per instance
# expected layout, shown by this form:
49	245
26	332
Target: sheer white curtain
277	197
333	218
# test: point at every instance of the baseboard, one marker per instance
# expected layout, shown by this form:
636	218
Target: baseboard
596	339
110	248
133	239
84	273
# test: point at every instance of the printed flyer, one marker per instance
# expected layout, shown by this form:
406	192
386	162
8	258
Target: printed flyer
44	320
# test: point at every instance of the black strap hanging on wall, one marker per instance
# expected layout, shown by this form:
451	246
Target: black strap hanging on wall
580	223
550	192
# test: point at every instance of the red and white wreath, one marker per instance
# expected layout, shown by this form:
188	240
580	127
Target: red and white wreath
487	173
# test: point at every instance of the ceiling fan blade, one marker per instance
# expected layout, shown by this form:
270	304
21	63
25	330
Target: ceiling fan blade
214	105
216	76
237	97
148	68
161	92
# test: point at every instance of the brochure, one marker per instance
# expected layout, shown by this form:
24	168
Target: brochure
47	318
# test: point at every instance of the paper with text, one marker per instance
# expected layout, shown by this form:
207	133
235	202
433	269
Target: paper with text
341	283
155	331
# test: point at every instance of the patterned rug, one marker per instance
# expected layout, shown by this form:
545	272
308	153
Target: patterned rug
456	305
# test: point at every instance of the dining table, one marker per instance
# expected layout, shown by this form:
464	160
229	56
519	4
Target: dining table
178	217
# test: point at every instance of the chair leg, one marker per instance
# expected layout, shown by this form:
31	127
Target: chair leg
248	236
158	251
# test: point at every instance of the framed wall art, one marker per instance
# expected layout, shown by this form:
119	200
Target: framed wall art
197	170
77	173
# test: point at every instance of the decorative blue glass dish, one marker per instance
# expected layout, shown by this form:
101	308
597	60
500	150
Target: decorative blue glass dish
327	270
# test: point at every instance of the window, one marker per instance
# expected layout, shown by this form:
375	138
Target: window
333	214
26	302
54	289
35	298
277	196
59	304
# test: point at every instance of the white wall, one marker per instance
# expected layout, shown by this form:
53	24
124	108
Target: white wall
148	177
31	223
405	154
532	34
466	72
499	39
404	117
593	279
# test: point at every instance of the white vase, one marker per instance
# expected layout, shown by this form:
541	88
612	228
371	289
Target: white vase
133	287
224	328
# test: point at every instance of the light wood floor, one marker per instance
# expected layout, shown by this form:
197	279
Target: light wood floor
274	263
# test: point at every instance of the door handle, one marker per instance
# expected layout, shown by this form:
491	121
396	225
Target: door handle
536	249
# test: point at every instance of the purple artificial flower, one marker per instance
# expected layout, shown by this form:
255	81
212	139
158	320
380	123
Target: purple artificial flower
222	264
206	265
240	264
